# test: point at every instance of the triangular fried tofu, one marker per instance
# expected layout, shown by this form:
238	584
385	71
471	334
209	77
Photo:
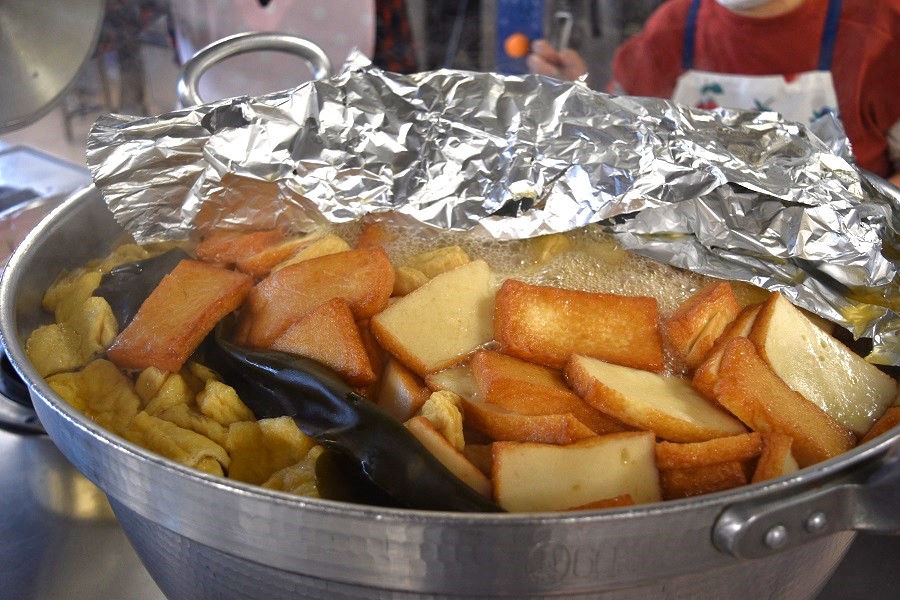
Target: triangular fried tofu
364	278
328	334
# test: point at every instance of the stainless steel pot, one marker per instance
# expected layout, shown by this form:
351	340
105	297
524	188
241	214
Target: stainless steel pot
245	43
37	74
205	537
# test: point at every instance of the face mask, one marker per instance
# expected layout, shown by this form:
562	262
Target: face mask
742	4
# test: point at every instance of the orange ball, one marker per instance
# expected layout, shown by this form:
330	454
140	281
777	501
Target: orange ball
517	45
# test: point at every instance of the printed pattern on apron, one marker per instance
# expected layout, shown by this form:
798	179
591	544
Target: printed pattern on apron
803	97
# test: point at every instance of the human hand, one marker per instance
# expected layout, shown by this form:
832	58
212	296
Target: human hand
895	179
546	60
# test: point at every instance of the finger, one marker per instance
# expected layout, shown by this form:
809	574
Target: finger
572	64
545	50
539	66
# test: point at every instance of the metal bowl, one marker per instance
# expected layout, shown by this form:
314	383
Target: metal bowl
205	537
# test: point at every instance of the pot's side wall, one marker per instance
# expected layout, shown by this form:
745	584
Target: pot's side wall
186	528
185	569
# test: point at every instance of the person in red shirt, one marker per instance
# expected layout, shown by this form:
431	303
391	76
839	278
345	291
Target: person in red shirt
799	57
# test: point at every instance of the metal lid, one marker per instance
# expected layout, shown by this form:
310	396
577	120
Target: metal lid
42	49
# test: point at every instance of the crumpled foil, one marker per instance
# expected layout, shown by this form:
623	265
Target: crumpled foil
732	194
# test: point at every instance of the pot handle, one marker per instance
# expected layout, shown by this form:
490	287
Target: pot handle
243	43
864	500
17	416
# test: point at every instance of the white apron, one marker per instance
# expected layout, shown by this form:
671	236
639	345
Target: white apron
804	98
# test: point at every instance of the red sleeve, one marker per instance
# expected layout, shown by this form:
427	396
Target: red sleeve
649	63
873	101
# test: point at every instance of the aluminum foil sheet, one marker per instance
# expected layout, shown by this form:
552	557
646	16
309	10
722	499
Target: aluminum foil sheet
732	194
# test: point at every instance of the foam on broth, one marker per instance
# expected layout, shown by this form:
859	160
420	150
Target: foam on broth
592	262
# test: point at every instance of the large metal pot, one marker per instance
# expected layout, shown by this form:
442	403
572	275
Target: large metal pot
205	537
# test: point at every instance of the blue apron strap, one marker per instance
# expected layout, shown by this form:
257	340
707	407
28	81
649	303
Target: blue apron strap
829	35
690	35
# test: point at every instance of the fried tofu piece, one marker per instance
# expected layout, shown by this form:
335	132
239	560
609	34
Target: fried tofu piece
814	364
747	293
101	392
260	264
377	355
450	456
225	246
530	389
776	459
298	479
666	405
440	323
188	417
148	383
325	245
480	455
221	403
259	449
695	481
545	248
53	349
742	448
547	325
375	233
458	379
364	278
614	502
328	334
443	409
889	420
127	253
66	297
176	443
707	373
604	249
401	393
695	325
408	280
542	477
500	424
750	390
177	315
197	375
71	344
173	391
497	423
440	260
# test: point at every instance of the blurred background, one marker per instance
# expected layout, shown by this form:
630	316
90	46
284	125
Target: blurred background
143	43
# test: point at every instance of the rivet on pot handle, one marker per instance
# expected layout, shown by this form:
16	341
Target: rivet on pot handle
243	43
867	499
